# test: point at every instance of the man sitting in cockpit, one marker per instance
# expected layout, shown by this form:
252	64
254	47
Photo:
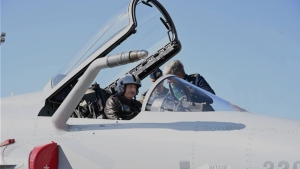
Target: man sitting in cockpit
160	90
123	105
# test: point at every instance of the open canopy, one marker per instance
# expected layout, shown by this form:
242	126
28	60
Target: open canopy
136	25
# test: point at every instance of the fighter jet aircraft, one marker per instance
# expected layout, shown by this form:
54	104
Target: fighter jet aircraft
63	127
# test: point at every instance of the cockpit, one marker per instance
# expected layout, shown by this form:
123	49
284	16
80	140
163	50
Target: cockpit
182	96
135	26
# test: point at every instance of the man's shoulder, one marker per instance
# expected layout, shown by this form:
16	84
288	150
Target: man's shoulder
192	76
112	101
114	97
195	75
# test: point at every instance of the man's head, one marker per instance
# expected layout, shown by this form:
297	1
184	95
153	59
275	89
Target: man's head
130	91
175	67
128	86
155	75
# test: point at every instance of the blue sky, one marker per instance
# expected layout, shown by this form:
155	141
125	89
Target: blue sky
248	51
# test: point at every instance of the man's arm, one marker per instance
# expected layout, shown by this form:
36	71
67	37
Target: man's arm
201	82
112	109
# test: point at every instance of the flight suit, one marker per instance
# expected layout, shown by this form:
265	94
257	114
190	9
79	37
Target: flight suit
118	107
199	81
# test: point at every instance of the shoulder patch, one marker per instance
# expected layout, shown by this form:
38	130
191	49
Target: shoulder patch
194	75
126	108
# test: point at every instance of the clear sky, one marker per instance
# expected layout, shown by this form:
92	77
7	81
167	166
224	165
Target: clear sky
248	51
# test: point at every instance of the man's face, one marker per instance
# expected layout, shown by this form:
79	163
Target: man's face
130	91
